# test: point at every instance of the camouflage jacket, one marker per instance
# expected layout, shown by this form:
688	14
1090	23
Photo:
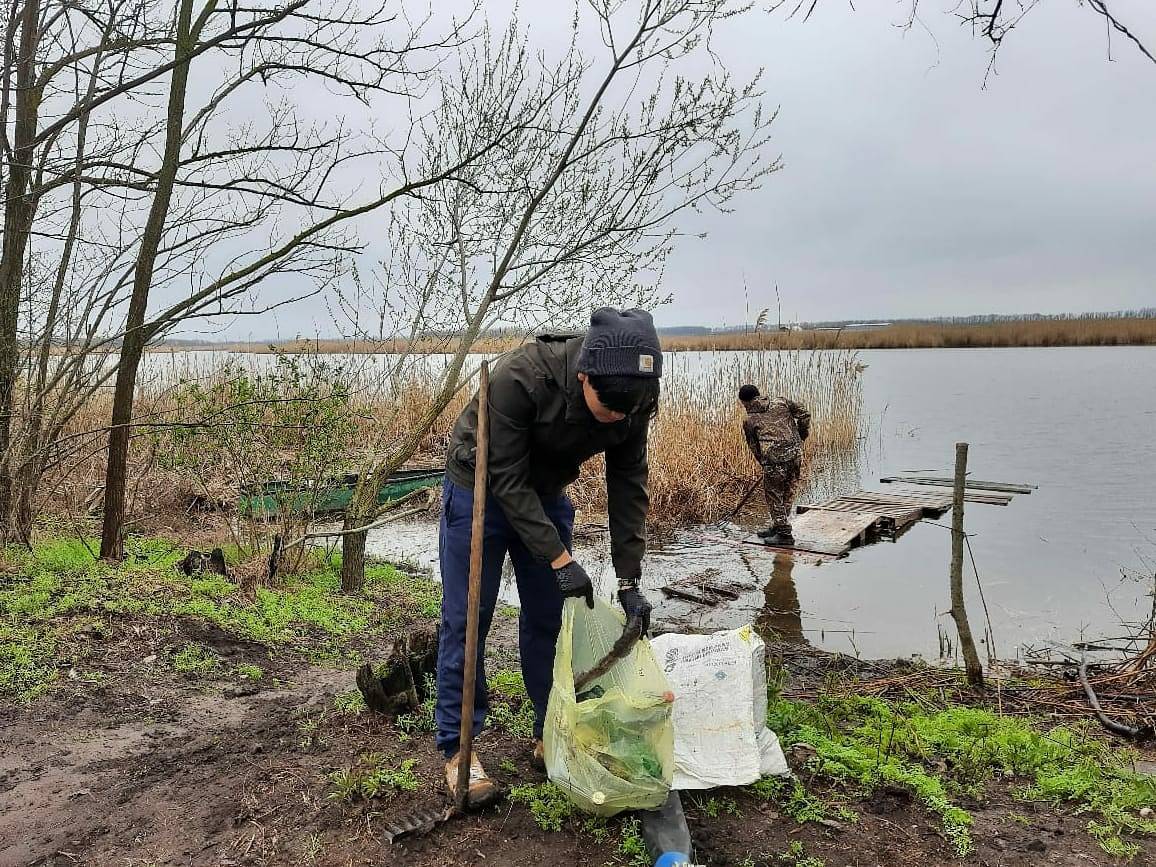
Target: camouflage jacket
775	429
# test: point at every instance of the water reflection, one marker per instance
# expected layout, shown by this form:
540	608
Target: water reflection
781	617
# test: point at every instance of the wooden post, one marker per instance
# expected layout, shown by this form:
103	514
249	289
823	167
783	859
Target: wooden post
477	535
958	612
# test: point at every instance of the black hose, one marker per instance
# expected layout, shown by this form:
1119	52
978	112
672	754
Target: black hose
1138	733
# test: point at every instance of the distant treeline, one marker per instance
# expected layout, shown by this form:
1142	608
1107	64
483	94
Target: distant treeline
1075	331
989	318
1123	327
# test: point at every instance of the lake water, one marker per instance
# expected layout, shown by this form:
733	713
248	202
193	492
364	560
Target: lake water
1056	565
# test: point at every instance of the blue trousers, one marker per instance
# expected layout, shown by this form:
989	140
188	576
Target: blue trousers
539	620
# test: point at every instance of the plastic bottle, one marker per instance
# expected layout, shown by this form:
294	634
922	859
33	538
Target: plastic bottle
665	832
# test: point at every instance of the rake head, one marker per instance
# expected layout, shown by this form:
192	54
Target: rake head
416	823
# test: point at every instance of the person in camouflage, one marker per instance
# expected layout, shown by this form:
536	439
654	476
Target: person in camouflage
775	429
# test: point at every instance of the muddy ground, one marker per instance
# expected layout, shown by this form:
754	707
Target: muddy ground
144	766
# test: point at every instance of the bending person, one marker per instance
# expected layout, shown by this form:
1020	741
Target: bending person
553	404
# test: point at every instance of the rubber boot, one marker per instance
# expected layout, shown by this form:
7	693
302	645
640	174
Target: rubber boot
780	539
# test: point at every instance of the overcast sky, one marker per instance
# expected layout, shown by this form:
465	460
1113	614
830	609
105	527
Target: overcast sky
910	189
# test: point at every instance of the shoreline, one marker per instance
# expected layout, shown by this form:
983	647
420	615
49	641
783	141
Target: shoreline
1121	331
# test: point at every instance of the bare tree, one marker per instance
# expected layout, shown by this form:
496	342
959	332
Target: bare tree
140	195
991	20
580	206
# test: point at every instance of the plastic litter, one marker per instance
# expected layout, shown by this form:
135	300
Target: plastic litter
614	749
720	730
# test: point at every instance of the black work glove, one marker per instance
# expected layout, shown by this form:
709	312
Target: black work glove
634	603
572	580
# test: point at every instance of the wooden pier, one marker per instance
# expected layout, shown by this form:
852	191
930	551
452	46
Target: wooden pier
829	530
837	525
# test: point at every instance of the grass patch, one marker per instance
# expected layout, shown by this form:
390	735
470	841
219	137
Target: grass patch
351	702
371	778
510	707
422	718
547	803
631	846
247	671
52	594
415	595
716	805
196	660
792	799
941	754
796	856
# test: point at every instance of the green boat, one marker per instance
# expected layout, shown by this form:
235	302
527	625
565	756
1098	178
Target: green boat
271	498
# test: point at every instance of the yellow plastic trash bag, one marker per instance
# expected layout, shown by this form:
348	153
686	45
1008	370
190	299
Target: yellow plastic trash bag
611	748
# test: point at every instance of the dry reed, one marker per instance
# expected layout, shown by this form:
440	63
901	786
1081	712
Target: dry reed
700	465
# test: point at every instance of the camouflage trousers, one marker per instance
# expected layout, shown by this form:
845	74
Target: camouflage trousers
779	481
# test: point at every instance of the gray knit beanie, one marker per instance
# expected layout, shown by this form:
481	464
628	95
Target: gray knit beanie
621	343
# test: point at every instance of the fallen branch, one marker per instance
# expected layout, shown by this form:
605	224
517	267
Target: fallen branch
1138	733
380	522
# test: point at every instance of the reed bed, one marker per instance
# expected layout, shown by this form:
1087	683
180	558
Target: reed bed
1124	331
700	464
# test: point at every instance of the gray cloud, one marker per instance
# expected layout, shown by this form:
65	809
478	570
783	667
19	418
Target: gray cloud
911	189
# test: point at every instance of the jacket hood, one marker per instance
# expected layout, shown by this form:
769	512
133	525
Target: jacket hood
557	358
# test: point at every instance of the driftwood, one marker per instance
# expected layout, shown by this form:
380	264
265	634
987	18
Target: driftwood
631	633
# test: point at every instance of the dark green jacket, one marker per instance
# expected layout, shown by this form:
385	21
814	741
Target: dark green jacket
541	432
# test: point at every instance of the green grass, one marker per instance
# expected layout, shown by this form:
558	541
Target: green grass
941	754
422	718
351	702
247	671
547	803
716	805
796	855
631	846
196	660
55	594
510	708
506	683
370	778
794	801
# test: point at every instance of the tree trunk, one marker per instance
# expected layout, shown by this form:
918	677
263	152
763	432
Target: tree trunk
359	513
19	210
27	480
958	610
135	338
353	557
